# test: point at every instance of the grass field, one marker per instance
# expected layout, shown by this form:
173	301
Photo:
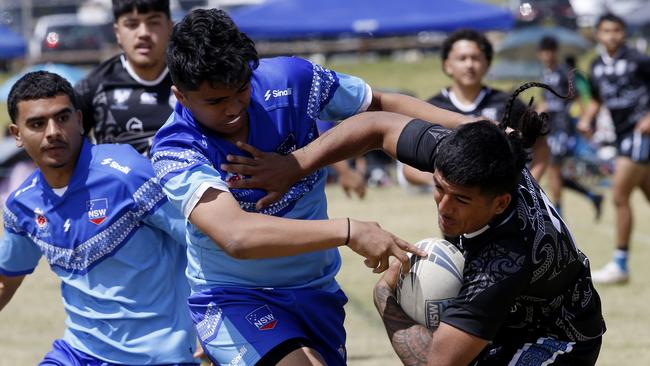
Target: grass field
35	316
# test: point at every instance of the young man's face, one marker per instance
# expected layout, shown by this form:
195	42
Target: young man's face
220	109
611	35
50	130
466	63
548	58
143	37
463	210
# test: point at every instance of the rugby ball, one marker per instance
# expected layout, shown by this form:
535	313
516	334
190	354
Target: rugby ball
432	281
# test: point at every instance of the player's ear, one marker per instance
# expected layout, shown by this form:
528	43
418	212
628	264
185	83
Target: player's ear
179	95
80	120
15	132
501	202
118	37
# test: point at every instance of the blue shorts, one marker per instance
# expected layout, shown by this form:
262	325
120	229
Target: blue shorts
62	354
635	146
240	326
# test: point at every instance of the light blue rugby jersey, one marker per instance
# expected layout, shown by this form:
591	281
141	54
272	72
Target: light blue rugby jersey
287	96
118	247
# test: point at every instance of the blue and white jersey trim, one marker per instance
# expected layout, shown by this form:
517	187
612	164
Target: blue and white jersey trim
10	221
321	86
165	162
543	352
82	257
207	328
297	191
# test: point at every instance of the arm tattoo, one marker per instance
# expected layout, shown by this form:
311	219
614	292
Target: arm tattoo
410	340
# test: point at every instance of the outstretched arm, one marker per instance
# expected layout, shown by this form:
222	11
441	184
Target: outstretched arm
414	344
8	287
246	235
416	108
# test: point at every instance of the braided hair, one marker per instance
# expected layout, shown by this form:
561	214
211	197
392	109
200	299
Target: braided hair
492	157
530	125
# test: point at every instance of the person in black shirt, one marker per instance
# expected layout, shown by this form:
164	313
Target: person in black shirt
527	296
620	81
562	137
127	98
466	57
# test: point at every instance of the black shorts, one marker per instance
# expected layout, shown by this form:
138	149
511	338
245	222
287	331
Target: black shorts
545	351
635	146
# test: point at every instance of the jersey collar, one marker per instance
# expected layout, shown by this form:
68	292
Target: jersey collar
465	108
607	59
131	72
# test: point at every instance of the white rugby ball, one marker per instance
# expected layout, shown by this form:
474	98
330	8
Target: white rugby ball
432	282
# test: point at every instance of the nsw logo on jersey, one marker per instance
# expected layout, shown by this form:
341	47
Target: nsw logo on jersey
277	93
262	318
97	210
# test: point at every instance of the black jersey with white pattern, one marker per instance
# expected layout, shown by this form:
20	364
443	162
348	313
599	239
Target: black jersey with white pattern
489	103
524	277
622	84
119	107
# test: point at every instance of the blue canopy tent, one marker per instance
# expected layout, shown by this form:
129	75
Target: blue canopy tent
291	19
12	45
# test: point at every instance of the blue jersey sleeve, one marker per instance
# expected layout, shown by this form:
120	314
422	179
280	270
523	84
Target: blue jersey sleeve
19	255
184	173
351	97
168	219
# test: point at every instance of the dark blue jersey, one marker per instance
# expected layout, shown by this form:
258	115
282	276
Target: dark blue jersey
622	83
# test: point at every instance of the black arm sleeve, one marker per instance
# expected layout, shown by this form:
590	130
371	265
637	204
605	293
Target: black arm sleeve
418	143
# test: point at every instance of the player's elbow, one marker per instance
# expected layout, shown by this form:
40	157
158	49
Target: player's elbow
236	245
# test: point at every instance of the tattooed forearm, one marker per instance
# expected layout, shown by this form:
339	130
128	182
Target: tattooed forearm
410	340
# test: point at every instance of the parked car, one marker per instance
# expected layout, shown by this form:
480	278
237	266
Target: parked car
68	39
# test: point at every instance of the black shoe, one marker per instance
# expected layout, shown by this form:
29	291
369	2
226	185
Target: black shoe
598	205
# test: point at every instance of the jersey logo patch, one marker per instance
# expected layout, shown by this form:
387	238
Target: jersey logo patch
277	93
120	96
97	210
148	98
41	220
262	318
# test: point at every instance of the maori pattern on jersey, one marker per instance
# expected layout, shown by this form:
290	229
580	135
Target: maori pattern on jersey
493	265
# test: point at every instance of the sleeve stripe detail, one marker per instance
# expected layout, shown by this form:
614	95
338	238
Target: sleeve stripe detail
321	87
165	162
198	193
367	100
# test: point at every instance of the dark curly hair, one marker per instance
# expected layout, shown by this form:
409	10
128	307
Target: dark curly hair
38	85
467	35
484	155
207	46
121	7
